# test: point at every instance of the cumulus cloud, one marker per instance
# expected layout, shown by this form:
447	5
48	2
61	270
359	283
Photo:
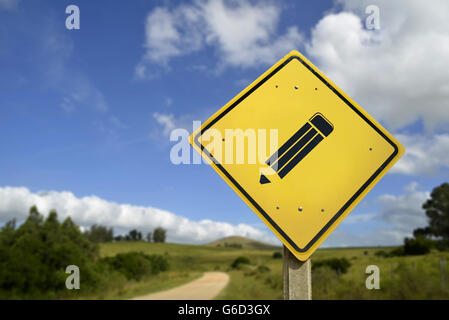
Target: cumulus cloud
16	201
381	237
398	72
404	212
424	155
242	33
398	216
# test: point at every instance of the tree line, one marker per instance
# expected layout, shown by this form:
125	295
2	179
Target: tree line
98	233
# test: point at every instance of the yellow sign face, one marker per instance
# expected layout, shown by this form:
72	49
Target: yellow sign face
329	151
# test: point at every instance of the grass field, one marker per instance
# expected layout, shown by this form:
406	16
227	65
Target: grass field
416	277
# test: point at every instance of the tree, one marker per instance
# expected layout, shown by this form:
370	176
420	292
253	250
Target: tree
437	210
149	236
134	235
418	245
422	232
159	234
99	233
119	238
33	257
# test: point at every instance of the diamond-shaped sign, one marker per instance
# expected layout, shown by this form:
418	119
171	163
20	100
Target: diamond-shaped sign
329	154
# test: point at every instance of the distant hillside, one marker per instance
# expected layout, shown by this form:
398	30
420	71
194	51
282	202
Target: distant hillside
242	242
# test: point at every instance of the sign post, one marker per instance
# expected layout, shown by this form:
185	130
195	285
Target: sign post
297	277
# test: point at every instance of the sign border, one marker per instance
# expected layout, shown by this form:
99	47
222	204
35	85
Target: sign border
251	89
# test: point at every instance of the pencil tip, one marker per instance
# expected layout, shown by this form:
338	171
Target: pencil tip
263	179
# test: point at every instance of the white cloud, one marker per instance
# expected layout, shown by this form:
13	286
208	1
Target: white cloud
381	237
359	218
15	203
169	34
242	33
166	121
397	73
398	216
404	212
424	155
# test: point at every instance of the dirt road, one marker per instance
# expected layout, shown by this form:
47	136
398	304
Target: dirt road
205	288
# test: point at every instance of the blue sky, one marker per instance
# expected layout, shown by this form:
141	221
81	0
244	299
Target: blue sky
86	113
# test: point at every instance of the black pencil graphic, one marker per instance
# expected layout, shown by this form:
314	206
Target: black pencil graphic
298	146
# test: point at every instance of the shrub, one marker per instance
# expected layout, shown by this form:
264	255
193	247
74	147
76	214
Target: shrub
135	265
233	245
381	253
442	246
397	252
417	246
239	261
263	269
277	255
337	264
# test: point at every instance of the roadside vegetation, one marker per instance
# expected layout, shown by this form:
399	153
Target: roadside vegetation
33	258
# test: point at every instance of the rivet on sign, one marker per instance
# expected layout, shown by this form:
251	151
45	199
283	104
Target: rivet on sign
277	207
277	86
316	88
322	210
370	149
296	87
300	208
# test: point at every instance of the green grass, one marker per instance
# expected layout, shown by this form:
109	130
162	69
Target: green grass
187	257
416	277
245	243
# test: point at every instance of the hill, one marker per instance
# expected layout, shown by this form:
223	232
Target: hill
242	242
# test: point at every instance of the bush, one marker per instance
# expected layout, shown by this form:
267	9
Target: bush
397	252
381	253
277	255
263	269
233	245
417	246
337	264
442	246
33	257
135	265
239	261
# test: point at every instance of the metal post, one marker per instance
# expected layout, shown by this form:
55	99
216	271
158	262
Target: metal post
443	271
297	277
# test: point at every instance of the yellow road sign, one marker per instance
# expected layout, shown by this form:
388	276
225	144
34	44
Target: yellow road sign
330	152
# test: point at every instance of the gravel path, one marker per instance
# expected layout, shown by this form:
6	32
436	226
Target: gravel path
205	288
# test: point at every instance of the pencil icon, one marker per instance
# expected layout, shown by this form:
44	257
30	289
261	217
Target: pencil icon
298	146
